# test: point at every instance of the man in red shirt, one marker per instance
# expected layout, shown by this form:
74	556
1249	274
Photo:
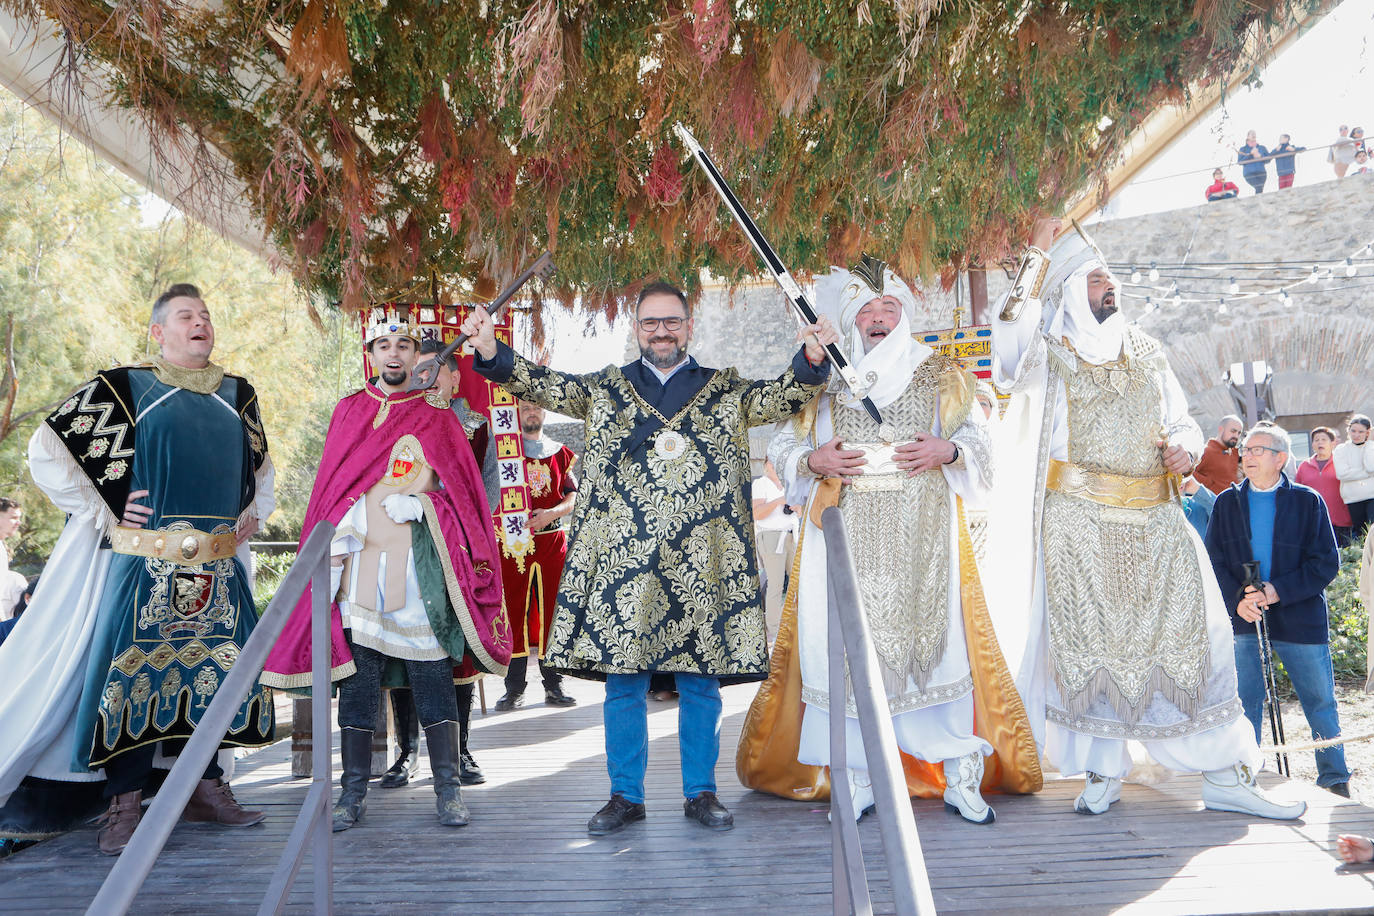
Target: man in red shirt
1219	466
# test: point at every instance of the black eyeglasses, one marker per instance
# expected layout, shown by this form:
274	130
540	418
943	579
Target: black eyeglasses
1258	450
669	324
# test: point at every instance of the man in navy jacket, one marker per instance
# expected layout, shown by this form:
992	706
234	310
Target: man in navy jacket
1284	528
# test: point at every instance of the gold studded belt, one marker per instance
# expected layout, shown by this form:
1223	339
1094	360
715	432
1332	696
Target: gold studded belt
1116	490
186	546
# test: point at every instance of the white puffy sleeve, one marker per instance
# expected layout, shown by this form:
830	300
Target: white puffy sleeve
1015	343
971	475
1179	427
62	479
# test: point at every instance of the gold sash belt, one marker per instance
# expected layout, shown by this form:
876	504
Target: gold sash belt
186	546
1116	490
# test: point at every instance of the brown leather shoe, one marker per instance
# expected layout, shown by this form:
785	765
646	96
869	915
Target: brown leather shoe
118	822
214	803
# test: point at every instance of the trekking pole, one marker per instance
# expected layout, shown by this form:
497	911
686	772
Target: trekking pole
1271	687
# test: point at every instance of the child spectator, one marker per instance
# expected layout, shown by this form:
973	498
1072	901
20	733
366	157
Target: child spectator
1220	188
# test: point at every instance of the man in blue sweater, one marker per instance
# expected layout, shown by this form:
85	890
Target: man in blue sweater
1284	528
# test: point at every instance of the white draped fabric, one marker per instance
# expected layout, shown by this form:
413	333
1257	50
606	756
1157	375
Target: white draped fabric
1032	431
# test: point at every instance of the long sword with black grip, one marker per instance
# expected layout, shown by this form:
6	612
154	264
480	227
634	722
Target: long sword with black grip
790	287
426	374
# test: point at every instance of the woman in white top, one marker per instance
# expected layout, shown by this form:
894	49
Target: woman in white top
1354	460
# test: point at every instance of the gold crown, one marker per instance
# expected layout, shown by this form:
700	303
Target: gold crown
389	323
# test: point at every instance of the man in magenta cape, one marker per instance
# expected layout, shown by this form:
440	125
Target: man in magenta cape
417	559
355	457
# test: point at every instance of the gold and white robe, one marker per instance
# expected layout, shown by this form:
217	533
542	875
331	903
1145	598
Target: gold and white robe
1090	581
904	539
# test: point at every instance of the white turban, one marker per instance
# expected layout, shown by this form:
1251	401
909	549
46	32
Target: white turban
1072	259
887	369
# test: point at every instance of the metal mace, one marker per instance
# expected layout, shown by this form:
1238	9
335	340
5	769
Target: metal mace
1271	687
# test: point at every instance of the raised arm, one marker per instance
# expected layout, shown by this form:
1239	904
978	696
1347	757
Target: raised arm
558	391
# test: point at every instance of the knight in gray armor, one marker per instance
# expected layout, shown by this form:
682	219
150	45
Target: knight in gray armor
900	487
1127	635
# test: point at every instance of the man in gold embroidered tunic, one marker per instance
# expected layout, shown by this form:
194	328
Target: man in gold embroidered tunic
1128	636
900	489
660	574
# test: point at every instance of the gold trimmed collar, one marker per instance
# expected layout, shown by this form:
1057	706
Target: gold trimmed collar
387	400
201	381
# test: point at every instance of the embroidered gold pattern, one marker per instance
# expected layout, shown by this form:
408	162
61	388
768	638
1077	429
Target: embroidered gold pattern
660	572
1124	592
900	542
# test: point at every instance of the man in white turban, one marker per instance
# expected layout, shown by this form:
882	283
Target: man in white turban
899	487
1128	637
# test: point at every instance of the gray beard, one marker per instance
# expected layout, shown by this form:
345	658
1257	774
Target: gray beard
663	362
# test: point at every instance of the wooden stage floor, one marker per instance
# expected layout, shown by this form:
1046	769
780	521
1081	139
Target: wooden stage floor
527	850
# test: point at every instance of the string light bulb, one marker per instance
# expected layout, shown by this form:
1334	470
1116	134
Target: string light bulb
1154	273
1221	309
1350	268
1234	287
1135	275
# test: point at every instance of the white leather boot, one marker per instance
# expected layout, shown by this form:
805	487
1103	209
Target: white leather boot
1235	789
860	793
963	776
1098	794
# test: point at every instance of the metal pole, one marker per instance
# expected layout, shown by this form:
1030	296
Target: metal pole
850	893
321	660
122	884
897	825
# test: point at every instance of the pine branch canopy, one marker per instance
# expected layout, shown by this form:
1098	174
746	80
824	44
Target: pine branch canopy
386	142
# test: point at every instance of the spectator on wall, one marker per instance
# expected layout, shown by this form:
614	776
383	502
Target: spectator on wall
1252	158
1220	188
1285	160
1354	460
1361	165
1341	152
1319	473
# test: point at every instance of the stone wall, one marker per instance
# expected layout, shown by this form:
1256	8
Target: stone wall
1321	346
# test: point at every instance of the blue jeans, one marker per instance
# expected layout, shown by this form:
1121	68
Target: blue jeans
626	716
1309	668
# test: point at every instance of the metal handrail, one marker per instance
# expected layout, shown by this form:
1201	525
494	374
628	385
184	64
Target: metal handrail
125	880
848	638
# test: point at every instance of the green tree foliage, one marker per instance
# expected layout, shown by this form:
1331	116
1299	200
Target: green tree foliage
79	267
381	143
1348	619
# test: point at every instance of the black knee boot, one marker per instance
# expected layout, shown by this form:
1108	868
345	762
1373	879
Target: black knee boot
407	740
468	771
442	740
355	746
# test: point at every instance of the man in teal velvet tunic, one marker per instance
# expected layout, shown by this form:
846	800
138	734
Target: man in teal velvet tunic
174	451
